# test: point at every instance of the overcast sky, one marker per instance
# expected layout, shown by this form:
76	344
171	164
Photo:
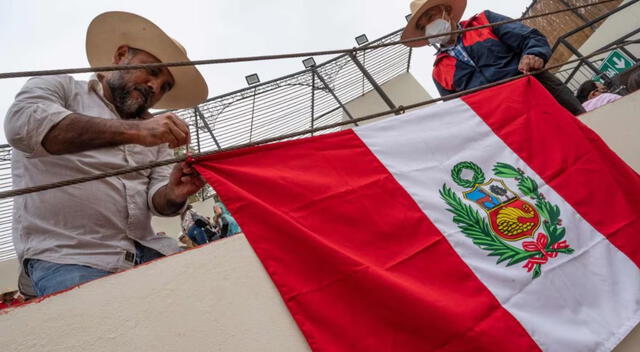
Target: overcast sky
44	34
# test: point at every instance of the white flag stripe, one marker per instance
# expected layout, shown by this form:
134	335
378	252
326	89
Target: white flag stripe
582	300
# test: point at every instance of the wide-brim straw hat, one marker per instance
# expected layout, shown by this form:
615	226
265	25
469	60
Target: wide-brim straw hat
112	29
419	7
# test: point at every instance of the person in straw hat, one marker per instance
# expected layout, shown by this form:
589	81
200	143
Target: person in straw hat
481	56
63	128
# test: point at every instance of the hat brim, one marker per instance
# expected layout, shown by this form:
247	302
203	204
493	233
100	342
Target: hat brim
110	30
411	31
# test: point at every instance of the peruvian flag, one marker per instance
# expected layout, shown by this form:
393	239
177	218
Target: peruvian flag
495	222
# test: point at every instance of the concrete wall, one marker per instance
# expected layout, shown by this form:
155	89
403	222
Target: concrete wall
9	275
402	90
213	298
618	124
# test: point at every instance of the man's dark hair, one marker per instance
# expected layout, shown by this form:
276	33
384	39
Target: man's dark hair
584	90
633	83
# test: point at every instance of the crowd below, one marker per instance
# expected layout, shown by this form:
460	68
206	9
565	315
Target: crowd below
198	229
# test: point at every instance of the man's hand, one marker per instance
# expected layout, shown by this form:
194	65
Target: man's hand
183	182
160	129
530	63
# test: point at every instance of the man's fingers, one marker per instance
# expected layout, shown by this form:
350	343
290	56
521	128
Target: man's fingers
178	134
171	129
168	137
530	63
179	123
539	63
522	66
195	180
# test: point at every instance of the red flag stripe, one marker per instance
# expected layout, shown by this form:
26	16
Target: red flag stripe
359	271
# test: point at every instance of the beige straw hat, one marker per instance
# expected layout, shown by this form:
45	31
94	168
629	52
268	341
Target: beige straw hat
110	30
418	7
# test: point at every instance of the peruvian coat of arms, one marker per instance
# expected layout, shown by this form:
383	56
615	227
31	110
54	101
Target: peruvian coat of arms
515	229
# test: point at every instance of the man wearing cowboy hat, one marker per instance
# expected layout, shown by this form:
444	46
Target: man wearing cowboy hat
478	57
63	128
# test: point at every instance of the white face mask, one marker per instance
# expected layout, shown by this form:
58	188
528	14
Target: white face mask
438	26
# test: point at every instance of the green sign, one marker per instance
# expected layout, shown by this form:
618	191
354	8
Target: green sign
616	62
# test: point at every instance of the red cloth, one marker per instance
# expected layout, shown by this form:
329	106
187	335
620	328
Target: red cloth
13	303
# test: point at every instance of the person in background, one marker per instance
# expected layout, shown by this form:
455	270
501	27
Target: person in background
593	95
194	231
482	56
227	224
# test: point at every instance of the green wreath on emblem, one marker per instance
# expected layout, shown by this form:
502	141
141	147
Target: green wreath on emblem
476	227
478	174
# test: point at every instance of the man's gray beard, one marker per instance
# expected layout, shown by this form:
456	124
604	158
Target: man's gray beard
128	107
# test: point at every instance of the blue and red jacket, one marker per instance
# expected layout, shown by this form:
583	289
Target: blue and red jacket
495	51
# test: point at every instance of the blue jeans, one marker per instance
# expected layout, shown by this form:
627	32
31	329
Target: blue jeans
48	277
197	235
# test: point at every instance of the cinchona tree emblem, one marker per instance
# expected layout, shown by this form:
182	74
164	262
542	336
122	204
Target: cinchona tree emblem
509	220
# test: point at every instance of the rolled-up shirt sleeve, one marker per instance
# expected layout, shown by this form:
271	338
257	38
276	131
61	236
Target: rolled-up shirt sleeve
40	105
158	178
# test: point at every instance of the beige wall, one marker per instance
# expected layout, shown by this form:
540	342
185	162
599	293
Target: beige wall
9	275
618	124
402	90
213	298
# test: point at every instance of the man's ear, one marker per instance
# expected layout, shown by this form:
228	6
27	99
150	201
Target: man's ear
120	55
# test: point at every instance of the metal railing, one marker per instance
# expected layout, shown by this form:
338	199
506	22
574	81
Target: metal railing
588	69
313	97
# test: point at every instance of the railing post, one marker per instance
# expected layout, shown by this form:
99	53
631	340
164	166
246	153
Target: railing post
253	109
333	94
372	81
206	125
197	129
588	63
313	99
